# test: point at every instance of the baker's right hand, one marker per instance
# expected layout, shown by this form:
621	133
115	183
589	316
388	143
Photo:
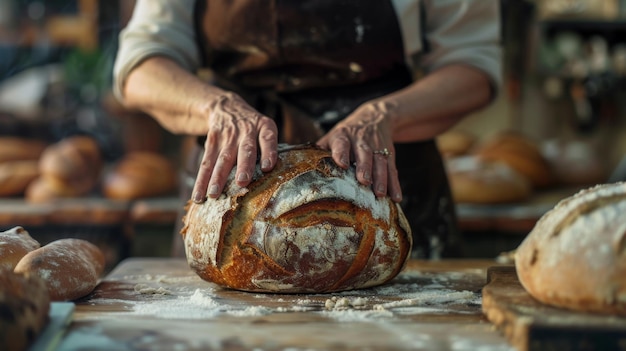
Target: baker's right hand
235	133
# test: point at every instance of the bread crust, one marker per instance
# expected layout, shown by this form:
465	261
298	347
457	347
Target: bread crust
519	153
70	267
69	168
306	226
20	149
476	181
140	174
15	176
25	304
575	257
15	243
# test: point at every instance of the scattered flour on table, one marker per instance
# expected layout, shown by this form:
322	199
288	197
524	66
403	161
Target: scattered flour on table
430	294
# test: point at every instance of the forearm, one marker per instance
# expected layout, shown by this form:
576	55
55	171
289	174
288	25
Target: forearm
177	99
436	102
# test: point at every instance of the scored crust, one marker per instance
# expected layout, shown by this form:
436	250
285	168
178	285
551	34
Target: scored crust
575	257
306	226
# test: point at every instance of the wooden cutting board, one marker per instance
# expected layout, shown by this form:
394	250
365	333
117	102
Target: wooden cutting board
531	325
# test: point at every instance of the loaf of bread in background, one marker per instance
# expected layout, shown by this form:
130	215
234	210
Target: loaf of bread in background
70	267
20	149
575	163
520	153
24	306
15	176
68	168
455	143
477	181
140	174
15	243
306	226
575	256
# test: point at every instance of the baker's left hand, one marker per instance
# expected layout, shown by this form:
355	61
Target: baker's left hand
365	138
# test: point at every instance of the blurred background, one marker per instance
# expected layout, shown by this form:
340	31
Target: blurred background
562	98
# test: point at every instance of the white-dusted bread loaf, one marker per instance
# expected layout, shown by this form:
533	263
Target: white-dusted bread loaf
70	267
306	226
15	243
575	257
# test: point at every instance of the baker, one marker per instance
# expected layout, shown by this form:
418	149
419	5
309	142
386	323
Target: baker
374	83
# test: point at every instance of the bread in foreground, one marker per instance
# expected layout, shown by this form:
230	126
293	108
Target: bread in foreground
575	257
24	309
70	268
306	226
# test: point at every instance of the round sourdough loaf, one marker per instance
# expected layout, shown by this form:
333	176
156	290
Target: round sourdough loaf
24	307
575	257
306	226
15	243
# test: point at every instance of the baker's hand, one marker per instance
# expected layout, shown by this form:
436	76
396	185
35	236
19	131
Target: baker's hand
235	130
365	138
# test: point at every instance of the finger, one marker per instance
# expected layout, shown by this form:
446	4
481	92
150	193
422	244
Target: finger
340	149
246	160
363	158
268	142
380	175
395	191
199	193
223	166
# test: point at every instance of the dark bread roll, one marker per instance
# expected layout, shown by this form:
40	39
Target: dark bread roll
140	174
70	267
24	309
575	256
15	243
20	149
306	226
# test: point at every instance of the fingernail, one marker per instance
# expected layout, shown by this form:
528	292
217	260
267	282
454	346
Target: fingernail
213	190
380	188
266	164
198	198
367	176
242	177
345	162
397	197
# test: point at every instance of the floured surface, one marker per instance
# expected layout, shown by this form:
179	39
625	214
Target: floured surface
146	303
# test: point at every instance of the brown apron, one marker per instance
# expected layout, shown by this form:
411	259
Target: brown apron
308	64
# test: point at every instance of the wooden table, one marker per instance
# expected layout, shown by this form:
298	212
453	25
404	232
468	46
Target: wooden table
160	304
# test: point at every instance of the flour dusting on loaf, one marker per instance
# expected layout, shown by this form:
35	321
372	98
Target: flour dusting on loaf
15	243
69	267
306	226
575	257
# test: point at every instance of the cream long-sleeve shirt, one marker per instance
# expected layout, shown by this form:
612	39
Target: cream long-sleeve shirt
455	31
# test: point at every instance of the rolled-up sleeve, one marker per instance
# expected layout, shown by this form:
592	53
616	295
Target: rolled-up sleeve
157	28
463	31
